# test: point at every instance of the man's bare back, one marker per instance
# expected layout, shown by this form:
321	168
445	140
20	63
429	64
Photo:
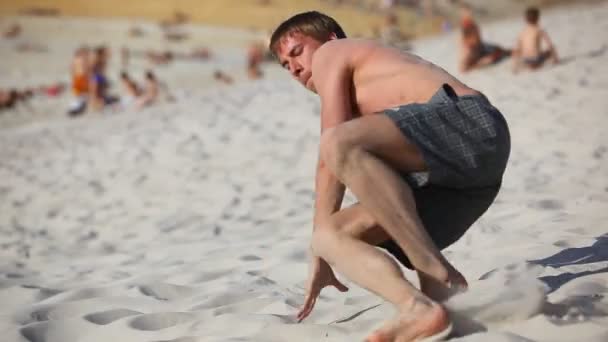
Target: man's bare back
382	77
530	41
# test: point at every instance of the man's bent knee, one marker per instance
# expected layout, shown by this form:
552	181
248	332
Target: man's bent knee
323	237
338	149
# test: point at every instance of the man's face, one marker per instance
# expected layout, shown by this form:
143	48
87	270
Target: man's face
295	51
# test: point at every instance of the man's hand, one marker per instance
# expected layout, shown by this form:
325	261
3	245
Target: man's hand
320	276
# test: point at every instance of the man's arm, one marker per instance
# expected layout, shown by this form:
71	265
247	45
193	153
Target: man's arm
332	77
545	36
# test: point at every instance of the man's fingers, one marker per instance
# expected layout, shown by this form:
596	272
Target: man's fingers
304	306
309	303
303	310
307	309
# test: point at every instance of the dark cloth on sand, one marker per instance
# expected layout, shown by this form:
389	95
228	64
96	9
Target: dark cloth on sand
465	143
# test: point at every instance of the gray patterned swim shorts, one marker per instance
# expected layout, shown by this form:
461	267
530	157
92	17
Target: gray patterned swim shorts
464	140
465	143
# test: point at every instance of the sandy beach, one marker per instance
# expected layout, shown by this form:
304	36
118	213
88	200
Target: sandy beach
189	221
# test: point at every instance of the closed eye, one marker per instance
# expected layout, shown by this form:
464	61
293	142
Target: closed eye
297	50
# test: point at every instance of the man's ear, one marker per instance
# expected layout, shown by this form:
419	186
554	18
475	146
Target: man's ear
332	36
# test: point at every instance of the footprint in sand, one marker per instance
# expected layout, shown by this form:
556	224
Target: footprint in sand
109	316
162	291
549	204
35	332
159	321
183	339
250	257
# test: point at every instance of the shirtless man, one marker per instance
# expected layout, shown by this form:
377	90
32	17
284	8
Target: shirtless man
528	52
423	153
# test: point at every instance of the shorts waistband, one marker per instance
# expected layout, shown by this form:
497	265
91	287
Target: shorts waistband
446	93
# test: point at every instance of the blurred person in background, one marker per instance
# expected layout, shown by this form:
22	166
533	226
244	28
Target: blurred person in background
131	90
98	82
528	51
474	52
255	56
150	92
222	77
81	74
391	34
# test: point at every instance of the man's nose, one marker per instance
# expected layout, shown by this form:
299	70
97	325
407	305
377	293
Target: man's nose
296	69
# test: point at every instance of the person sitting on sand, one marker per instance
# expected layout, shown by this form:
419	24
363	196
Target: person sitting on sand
391	34
222	77
80	70
423	153
255	56
474	52
202	53
132	91
98	82
528	52
150	92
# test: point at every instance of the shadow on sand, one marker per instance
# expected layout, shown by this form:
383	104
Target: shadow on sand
600	51
597	252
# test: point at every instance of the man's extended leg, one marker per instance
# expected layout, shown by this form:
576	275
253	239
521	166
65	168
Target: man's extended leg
346	241
368	162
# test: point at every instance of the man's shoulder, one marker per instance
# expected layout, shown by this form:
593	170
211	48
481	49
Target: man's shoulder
333	46
341	49
333	50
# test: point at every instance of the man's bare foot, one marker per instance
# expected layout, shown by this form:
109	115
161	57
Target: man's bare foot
440	291
423	319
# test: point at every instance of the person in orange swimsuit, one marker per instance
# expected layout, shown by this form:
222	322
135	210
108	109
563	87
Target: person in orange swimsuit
80	81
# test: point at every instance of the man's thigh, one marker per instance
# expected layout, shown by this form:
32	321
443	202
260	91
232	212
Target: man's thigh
378	135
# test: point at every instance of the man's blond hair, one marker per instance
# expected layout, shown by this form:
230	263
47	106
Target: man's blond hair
314	24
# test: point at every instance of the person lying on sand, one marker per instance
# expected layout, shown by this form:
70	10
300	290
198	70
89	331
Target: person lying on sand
8	98
150	92
474	52
528	52
222	77
12	32
164	57
132	91
423	153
